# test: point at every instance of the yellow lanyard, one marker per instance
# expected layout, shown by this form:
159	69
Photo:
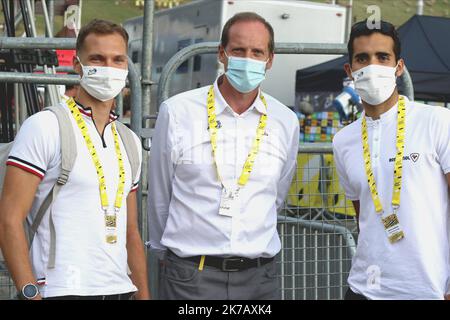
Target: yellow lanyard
248	166
400	146
95	159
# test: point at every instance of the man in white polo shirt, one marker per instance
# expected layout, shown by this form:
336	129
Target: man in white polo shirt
394	164
221	163
94	216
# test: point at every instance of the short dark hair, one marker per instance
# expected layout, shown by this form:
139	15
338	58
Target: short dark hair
247	16
363	28
102	27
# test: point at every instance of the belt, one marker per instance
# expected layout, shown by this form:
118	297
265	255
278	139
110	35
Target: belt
230	264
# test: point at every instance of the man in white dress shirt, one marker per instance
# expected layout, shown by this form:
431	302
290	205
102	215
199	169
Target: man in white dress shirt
221	163
394	164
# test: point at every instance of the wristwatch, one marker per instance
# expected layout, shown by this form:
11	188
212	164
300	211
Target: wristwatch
28	292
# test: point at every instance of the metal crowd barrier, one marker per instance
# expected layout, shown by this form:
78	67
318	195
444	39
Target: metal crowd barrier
315	259
317	230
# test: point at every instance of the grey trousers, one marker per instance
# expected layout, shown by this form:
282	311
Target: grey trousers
181	280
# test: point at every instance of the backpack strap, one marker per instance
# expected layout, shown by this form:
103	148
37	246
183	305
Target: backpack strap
131	149
68	157
68	142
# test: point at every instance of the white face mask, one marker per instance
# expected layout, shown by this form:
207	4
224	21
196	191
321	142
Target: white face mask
375	83
103	83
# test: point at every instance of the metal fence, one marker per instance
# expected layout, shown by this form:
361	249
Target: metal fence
317	230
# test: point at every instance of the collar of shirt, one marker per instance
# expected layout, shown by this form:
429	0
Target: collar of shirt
388	116
87	111
221	104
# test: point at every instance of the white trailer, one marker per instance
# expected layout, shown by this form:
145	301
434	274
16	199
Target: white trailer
200	21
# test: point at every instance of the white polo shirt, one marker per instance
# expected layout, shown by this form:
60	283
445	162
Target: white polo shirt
85	263
418	266
184	189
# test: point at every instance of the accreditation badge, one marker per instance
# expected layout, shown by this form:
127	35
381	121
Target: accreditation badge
111	228
229	203
393	229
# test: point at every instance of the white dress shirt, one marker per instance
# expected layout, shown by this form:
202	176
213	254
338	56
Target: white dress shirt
185	192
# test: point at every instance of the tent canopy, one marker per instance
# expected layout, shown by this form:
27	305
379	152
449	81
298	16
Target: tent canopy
425	50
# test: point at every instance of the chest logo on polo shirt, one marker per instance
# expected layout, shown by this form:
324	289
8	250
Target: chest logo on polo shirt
414	156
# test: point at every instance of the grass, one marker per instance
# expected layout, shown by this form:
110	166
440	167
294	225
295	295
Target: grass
114	10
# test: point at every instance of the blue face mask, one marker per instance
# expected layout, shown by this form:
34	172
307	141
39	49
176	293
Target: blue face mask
245	74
